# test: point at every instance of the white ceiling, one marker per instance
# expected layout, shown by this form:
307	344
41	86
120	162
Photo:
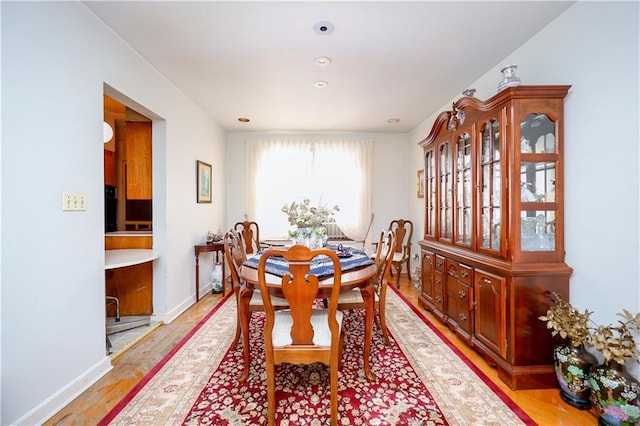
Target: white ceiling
389	59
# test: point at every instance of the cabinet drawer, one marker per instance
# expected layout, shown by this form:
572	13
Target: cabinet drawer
438	290
460	271
440	263
459	294
460	304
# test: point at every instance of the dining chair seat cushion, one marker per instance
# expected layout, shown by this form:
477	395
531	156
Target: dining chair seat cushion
277	302
319	320
398	256
353	296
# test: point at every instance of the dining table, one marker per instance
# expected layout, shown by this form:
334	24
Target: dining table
355	274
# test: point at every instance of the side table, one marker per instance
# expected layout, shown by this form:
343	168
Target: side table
217	247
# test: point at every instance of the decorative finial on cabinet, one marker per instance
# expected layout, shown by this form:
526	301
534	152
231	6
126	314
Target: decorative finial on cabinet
456	118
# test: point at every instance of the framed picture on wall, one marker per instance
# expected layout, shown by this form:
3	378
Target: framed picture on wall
203	174
421	183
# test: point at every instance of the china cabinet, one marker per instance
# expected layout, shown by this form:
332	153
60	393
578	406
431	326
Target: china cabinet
493	246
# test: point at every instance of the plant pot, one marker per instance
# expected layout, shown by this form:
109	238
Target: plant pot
572	365
615	393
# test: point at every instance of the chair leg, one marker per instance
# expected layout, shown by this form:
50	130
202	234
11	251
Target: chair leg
236	338
334	395
383	322
409	270
115	299
398	271
271	394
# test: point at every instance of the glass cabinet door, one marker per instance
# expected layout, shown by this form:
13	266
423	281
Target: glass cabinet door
490	186
446	191
463	219
538	159
430	193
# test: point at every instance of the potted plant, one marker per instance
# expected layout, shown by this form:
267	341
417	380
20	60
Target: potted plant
572	362
614	391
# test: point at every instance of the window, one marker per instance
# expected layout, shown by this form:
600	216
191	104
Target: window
328	172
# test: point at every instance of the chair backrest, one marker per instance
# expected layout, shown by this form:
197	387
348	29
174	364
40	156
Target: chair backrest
234	255
301	290
250	232
384	256
404	233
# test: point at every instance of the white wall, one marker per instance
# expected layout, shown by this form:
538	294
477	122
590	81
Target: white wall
390	194
594	47
55	59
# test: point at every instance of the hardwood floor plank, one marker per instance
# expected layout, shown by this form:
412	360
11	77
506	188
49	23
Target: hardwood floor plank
543	405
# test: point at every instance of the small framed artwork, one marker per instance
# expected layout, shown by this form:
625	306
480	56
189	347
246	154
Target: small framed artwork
421	183
203	174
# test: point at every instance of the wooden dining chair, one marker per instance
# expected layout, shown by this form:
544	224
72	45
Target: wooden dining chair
403	229
301	334
235	256
352	299
250	232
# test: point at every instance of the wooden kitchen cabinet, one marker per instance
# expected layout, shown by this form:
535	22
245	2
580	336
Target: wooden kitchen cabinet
493	246
138	160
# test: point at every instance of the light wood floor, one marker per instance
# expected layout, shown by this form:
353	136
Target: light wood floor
543	405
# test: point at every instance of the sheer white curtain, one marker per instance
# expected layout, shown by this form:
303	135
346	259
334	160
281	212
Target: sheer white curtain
328	172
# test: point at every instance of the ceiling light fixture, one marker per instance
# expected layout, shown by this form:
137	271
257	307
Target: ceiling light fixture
323	28
243	120
393	120
320	84
322	61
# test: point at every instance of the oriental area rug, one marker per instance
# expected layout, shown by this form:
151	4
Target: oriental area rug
422	380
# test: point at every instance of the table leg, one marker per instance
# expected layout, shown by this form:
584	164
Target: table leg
244	313
223	273
197	276
369	303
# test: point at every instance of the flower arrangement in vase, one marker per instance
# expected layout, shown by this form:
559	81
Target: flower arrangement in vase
572	362
613	390
308	221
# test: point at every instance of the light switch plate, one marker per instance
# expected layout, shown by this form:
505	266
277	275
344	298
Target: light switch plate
72	201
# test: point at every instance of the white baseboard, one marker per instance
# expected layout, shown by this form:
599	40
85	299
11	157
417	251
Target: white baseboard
64	396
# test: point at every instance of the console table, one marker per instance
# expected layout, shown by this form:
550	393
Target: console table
218	248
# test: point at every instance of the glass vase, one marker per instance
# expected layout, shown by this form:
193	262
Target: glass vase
614	392
572	365
312	237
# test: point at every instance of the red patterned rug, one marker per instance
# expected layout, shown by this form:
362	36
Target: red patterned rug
422	380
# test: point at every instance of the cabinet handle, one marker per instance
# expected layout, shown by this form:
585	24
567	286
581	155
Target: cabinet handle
462	316
486	281
438	299
438	281
464	273
462	294
439	262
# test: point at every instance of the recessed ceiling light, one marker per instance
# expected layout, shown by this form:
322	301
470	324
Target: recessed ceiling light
243	120
323	27
322	61
320	84
393	120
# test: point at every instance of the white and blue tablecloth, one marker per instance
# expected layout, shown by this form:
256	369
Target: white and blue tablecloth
321	266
